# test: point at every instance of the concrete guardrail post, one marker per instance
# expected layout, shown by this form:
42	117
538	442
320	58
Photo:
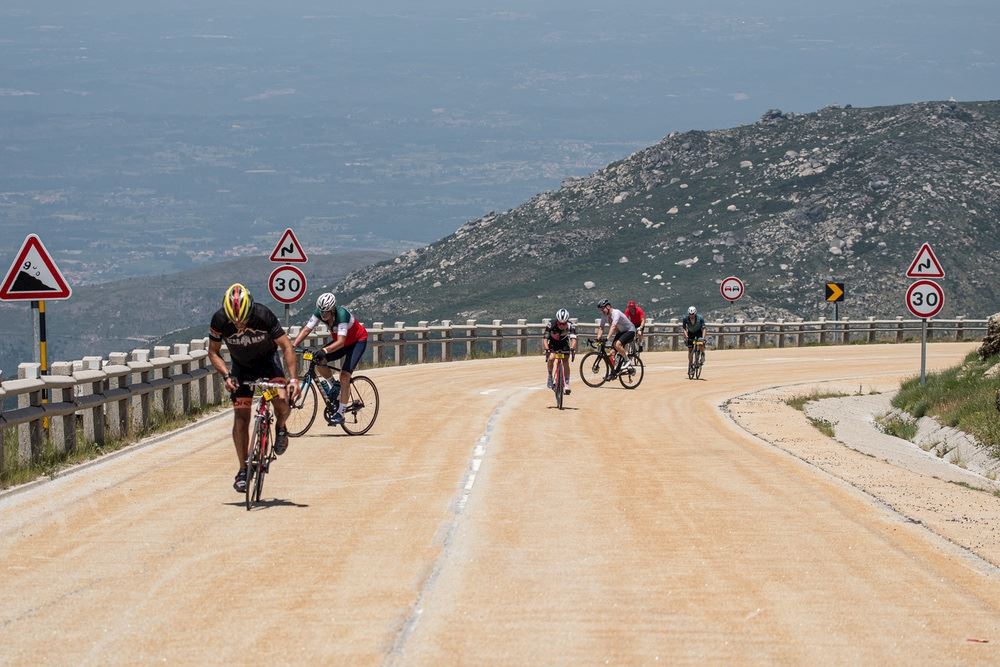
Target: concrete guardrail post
142	403
163	397
421	339
446	340
183	359
960	328
470	338
62	427
375	340
781	333
118	413
822	331
522	337
90	382
399	341
30	436
496	338
199	356
871	329
899	329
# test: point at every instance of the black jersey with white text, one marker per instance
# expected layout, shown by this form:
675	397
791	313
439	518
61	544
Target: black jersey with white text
560	334
255	342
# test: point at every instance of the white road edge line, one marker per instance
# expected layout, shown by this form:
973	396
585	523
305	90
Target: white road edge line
458	509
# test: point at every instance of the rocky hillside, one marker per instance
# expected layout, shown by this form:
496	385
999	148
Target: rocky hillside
786	204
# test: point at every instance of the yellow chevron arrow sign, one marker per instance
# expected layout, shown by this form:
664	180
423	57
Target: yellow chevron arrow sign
835	292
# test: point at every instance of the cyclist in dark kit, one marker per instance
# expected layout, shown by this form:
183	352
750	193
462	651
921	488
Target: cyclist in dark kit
254	337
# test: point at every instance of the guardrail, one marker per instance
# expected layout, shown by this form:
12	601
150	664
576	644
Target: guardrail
102	400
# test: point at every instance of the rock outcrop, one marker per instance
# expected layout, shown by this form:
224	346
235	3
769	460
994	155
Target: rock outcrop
991	342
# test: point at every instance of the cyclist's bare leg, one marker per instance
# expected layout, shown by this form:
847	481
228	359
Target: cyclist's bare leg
241	427
550	361
324	371
281	409
345	389
622	354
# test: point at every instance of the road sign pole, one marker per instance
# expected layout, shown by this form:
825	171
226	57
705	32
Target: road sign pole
923	352
42	342
36	345
288	319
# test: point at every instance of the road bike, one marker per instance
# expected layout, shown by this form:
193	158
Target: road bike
560	369
260	453
596	368
359	416
698	361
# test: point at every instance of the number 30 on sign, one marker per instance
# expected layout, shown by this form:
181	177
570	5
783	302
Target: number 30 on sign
925	299
287	284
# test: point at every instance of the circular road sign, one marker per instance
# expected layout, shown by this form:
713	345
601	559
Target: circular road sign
287	284
731	288
925	298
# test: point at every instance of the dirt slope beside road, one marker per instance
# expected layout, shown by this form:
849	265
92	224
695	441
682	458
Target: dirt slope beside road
476	524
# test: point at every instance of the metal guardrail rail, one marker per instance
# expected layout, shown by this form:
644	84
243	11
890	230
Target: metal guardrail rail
101	400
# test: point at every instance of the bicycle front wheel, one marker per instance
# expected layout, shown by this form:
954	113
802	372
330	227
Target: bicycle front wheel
698	363
594	369
302	412
631	377
560	383
360	415
254	471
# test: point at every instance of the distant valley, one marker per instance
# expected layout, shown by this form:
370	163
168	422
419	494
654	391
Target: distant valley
137	313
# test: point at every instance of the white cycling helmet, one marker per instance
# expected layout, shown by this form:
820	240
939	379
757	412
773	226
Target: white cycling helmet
326	302
692	310
562	316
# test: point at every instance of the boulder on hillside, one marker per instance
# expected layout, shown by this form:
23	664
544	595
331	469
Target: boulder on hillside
991	342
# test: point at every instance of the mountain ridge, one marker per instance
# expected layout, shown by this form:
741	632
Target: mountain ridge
786	203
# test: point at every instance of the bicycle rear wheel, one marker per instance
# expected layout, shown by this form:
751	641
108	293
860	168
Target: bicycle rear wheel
360	415
302	412
631	378
594	369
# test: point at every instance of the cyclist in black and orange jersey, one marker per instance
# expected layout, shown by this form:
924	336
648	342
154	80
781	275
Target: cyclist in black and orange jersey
253	336
559	336
350	338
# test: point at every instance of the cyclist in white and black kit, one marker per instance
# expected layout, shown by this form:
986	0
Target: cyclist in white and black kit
621	327
254	338
694	327
559	336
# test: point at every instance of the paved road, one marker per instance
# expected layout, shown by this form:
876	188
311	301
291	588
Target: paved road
478	525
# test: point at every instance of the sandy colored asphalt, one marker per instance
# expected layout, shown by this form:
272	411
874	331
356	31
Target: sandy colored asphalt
476	524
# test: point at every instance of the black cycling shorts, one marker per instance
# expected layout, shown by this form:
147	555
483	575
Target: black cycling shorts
351	354
624	337
266	368
690	339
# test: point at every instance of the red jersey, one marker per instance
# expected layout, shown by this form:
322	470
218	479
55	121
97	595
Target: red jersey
634	313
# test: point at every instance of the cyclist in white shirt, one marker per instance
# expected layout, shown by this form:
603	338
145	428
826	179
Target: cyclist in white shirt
622	328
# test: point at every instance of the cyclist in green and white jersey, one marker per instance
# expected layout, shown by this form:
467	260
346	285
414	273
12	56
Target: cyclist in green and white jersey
350	338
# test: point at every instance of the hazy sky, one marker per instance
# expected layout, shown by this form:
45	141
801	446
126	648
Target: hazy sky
618	71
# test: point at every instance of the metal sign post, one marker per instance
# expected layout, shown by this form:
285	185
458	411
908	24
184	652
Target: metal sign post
923	352
924	299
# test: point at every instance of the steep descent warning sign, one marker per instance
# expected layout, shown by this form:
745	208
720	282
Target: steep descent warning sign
289	249
34	276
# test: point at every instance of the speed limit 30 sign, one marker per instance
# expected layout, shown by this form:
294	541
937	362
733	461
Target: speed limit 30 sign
287	284
925	299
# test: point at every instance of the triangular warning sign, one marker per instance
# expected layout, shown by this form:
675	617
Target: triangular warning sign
34	276
925	264
288	249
